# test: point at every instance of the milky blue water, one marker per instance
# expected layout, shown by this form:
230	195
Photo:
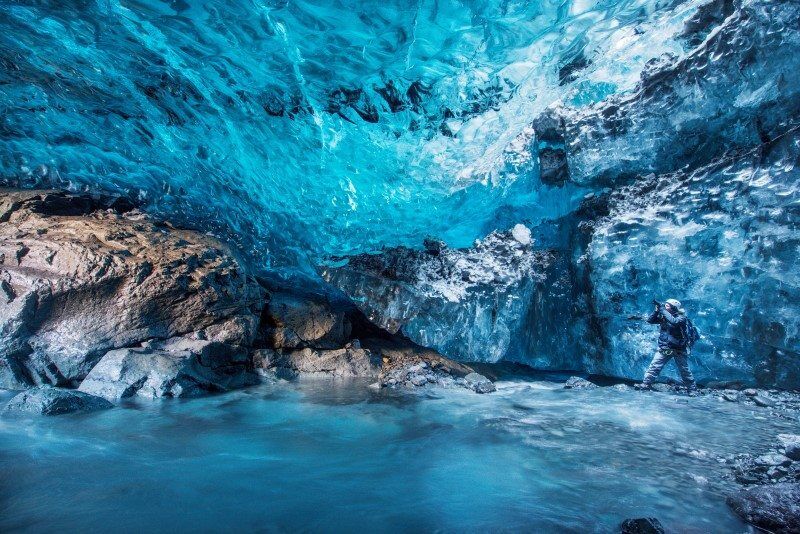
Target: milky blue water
338	456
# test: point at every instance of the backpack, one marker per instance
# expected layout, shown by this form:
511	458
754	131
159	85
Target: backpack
690	333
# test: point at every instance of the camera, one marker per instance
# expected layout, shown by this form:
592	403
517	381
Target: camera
656	303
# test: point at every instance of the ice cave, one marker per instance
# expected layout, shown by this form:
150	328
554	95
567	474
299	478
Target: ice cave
404	266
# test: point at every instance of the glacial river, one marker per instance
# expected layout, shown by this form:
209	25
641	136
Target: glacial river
318	455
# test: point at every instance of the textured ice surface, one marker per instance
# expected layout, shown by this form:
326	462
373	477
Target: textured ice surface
467	302
693	194
724	239
305	128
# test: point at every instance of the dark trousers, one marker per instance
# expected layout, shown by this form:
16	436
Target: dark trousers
660	360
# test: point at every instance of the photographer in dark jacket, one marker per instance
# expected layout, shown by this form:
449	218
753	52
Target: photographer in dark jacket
672	343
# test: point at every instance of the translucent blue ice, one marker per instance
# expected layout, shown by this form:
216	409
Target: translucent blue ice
308	128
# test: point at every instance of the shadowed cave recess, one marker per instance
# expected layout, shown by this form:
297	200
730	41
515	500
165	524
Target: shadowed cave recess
497	180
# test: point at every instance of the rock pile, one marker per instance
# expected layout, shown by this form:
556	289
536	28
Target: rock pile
781	464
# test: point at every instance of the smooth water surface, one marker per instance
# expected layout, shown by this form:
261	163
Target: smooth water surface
318	455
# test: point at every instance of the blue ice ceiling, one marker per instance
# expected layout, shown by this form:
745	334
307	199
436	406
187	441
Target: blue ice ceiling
307	129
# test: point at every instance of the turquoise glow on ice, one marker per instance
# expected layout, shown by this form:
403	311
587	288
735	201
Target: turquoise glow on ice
310	128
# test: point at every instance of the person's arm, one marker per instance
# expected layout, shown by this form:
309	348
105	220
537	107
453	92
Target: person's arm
672	319
655	317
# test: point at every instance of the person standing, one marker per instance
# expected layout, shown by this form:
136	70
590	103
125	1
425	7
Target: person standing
674	342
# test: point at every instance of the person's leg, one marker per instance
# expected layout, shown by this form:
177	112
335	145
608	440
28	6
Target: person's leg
682	361
658	363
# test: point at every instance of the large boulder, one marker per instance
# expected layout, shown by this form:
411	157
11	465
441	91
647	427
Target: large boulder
774	508
47	400
177	367
80	276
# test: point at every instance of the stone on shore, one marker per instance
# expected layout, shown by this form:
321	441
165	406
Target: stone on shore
47	400
791	445
576	382
341	363
406	364
479	383
641	525
774	508
177	367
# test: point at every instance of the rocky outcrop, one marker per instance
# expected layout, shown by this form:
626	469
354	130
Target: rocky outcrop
177	367
406	364
774	508
47	400
101	297
81	276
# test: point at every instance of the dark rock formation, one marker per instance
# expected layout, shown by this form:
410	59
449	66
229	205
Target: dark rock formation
392	359
80	276
101	296
177	367
791	445
774	508
641	525
47	400
406	364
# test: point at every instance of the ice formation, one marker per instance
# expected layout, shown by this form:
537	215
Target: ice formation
626	149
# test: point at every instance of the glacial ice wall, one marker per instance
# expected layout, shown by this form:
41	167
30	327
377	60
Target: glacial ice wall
691	186
301	129
725	239
468	302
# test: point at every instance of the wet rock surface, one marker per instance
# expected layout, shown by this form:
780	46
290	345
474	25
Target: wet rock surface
80	276
774	508
576	382
641	525
295	321
393	360
780	464
406	364
47	400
